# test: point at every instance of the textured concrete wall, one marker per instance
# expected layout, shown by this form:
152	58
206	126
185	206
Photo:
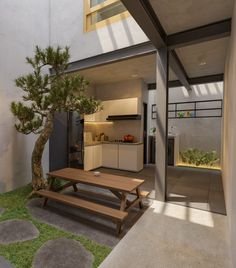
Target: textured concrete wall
203	133
229	145
67	20
23	24
120	90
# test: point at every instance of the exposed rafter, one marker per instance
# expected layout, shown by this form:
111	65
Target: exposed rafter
113	56
178	69
193	81
143	13
200	34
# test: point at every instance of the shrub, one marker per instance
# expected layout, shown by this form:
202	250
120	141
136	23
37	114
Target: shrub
199	157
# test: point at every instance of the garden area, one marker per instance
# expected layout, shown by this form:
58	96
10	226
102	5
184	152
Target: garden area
28	242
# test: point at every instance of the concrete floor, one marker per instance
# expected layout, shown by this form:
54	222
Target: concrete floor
172	236
191	187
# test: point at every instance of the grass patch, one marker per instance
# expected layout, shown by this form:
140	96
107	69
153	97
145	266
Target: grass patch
21	254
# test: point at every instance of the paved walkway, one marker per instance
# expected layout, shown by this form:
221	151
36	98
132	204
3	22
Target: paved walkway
168	236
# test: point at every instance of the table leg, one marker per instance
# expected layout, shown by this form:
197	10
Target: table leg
139	196
123	201
75	187
123	198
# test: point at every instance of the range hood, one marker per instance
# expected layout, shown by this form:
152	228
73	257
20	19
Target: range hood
124	117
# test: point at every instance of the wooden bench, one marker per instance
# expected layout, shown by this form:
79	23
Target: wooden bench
114	214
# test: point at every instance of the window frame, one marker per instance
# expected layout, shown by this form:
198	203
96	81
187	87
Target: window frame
88	11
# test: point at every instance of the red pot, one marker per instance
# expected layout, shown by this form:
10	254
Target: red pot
128	138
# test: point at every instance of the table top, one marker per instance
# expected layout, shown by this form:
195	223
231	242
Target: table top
108	181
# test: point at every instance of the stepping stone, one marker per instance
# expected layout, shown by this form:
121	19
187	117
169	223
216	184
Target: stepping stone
1	211
13	231
63	253
5	264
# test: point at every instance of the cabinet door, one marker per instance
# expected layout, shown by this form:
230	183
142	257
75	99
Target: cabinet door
124	107
88	158
97	156
110	155
131	157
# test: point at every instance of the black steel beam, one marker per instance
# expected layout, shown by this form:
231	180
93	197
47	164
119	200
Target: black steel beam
193	81
145	16
206	79
143	13
178	69
113	56
204	33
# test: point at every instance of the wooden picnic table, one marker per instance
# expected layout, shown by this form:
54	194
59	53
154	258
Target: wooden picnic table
120	186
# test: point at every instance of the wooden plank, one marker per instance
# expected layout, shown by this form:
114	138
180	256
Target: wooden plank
143	194
84	204
108	181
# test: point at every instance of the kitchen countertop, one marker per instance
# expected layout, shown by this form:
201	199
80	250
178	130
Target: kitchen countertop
112	142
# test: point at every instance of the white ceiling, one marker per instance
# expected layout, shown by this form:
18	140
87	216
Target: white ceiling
143	67
180	15
194	57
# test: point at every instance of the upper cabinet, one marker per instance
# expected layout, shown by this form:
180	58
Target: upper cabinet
130	106
125	107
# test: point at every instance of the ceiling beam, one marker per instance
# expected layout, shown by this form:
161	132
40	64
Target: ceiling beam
178	69
117	55
193	81
143	13
145	16
204	33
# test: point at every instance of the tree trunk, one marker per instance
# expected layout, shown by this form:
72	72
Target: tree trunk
38	181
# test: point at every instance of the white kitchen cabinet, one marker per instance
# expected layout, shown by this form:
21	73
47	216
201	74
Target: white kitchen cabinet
110	155
97	155
131	157
125	106
92	157
88	158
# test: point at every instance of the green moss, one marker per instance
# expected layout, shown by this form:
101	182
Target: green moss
21	254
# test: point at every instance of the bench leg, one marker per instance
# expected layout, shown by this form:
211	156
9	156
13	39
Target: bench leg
45	202
49	188
75	188
118	228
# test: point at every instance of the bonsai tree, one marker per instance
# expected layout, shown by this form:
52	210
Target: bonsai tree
46	94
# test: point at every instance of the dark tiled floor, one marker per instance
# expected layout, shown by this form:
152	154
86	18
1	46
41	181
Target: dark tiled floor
196	188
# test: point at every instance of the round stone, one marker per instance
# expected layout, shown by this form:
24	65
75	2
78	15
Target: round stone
4	263
63	253
13	231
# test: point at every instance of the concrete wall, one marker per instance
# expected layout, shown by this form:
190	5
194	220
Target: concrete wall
203	133
120	90
67	29
23	25
229	145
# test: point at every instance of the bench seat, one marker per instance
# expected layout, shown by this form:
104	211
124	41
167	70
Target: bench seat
108	212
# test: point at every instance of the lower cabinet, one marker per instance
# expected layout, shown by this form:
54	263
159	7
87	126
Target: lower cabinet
131	157
92	157
110	153
118	156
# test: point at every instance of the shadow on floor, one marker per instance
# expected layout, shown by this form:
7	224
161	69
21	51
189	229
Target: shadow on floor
191	187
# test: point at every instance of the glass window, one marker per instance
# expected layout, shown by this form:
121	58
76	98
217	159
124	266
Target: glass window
99	13
96	2
107	12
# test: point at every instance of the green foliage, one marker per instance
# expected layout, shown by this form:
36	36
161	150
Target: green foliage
46	94
181	114
21	254
198	157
